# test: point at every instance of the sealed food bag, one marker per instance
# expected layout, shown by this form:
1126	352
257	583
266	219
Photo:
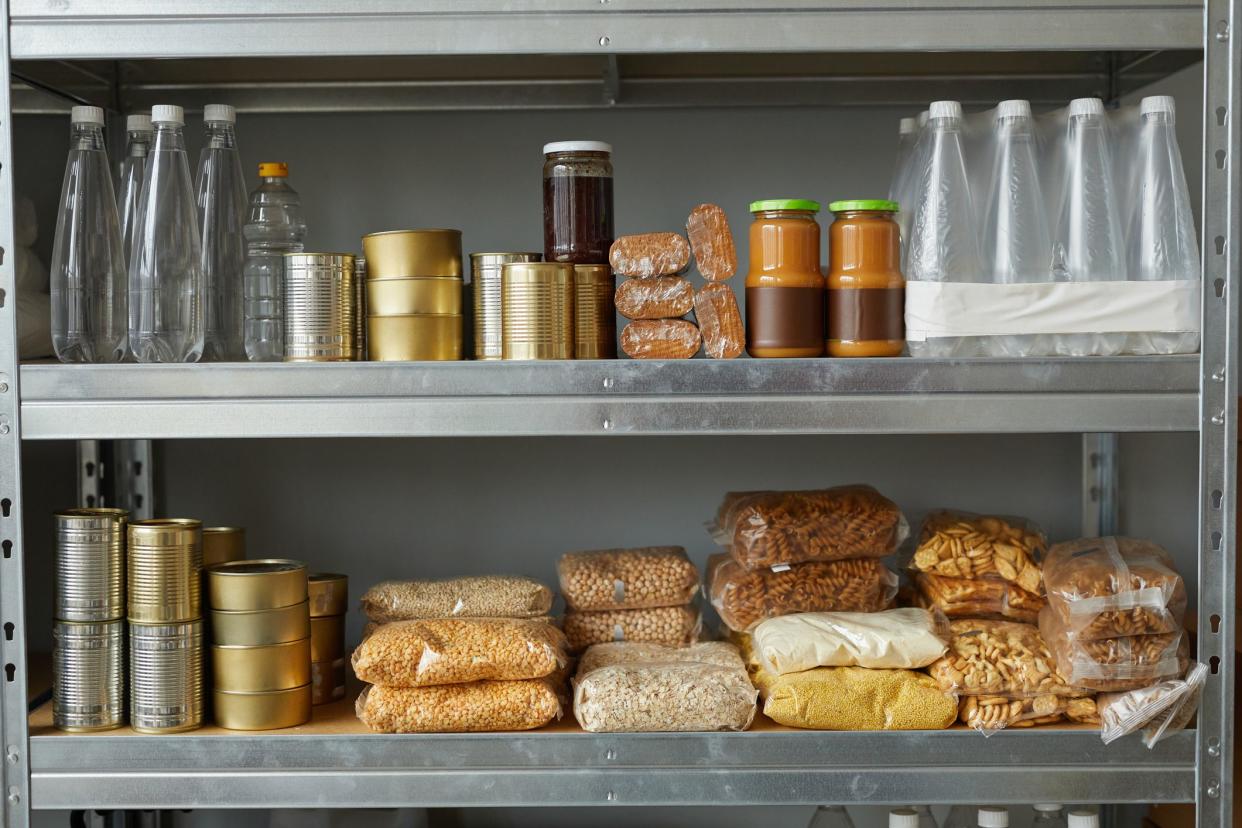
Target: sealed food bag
1150	707
896	638
671	626
720	321
454	650
475	707
1114	664
1112	586
982	598
720	653
764	529
744	597
660	339
664	696
1181	711
646	255
607	579
999	658
711	241
962	545
661	297
485	596
988	714
856	698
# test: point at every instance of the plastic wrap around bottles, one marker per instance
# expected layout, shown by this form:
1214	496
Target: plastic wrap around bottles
1064	234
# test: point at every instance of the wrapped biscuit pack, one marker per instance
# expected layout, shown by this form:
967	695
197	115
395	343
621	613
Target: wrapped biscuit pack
474	707
987	598
1114	664
856	698
660	297
660	339
672	626
1158	709
961	545
646	255
898	638
999	658
720	321
485	596
989	714
608	579
711	241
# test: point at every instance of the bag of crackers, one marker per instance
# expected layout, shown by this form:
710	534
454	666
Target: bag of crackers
982	598
956	544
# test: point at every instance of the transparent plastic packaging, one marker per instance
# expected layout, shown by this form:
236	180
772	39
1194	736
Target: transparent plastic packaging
856	698
711	242
139	135
675	696
719	653
1182	710
482	596
457	650
720	321
989	714
1113	586
221	188
962	545
660	339
991	599
1148	707
744	597
607	579
274	227
1114	664
764	529
671	626
660	297
646	255
906	638
476	707
999	658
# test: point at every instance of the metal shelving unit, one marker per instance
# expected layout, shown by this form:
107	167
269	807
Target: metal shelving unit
266	43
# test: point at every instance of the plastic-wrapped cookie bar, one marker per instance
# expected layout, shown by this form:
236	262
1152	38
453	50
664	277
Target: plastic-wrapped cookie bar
484	596
999	658
475	707
989	713
645	255
962	545
672	626
711	241
676	696
744	597
661	297
967	598
660	339
720	321
1113	586
605	579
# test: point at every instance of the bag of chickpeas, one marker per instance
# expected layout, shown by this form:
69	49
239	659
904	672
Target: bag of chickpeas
671	626
611	579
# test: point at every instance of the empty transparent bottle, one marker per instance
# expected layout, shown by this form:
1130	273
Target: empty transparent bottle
1016	242
166	317
943	244
1049	815
138	137
1087	244
831	816
221	200
88	266
274	227
1162	241
907	139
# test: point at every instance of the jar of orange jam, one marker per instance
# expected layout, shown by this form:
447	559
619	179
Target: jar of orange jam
785	287
866	291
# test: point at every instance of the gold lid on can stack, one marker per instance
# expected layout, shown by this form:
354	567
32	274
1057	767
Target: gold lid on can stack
595	312
261	648
222	544
485	278
413	295
329	601
537	301
320	307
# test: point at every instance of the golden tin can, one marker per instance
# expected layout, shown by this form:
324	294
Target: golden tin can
327	681
414	338
268	583
327	637
485	279
360	308
164	567
253	628
268	710
223	544
537	310
396	253
320	307
595	312
438	295
255	669
329	594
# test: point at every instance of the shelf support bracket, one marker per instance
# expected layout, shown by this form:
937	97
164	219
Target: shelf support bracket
612	81
118	473
1100	497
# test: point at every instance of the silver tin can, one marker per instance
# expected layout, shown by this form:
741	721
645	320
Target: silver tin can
90	564
485	271
88	675
360	308
320	307
166	677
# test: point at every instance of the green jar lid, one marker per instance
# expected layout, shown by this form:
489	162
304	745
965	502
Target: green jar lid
876	204
784	204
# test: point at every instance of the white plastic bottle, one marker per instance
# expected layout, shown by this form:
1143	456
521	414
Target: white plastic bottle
1162	242
1049	815
831	816
274	227
133	172
992	817
918	816
1017	245
1087	243
1084	819
87	275
944	246
221	197
166	318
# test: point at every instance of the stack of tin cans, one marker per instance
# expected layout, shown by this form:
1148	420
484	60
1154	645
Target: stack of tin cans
485	279
329	601
165	625
88	678
321	307
261	648
414	295
595	312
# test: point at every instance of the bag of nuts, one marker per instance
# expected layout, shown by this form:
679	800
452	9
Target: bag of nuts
1114	664
484	596
720	653
455	650
664	697
962	545
671	626
1111	586
983	598
765	529
988	714
744	597
999	658
474	707
608	579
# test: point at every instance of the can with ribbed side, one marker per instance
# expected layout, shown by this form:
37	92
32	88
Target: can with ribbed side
360	308
166	677
537	312
88	675
90	564
320	307
165	570
485	270
595	312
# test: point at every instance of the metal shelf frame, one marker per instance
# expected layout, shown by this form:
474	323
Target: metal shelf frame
825	396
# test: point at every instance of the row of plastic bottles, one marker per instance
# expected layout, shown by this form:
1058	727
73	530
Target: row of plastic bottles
961	816
166	270
1012	241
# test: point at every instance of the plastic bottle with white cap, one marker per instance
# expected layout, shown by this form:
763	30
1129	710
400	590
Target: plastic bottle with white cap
166	312
992	817
903	818
1162	244
1048	815
221	198
831	816
87	275
1084	819
138	135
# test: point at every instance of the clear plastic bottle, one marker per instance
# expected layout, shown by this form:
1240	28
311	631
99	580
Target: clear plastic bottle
943	244
166	318
992	817
88	266
907	138
915	165
1087	244
1017	245
831	816
133	173
221	188
1048	815
1162	241
274	227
